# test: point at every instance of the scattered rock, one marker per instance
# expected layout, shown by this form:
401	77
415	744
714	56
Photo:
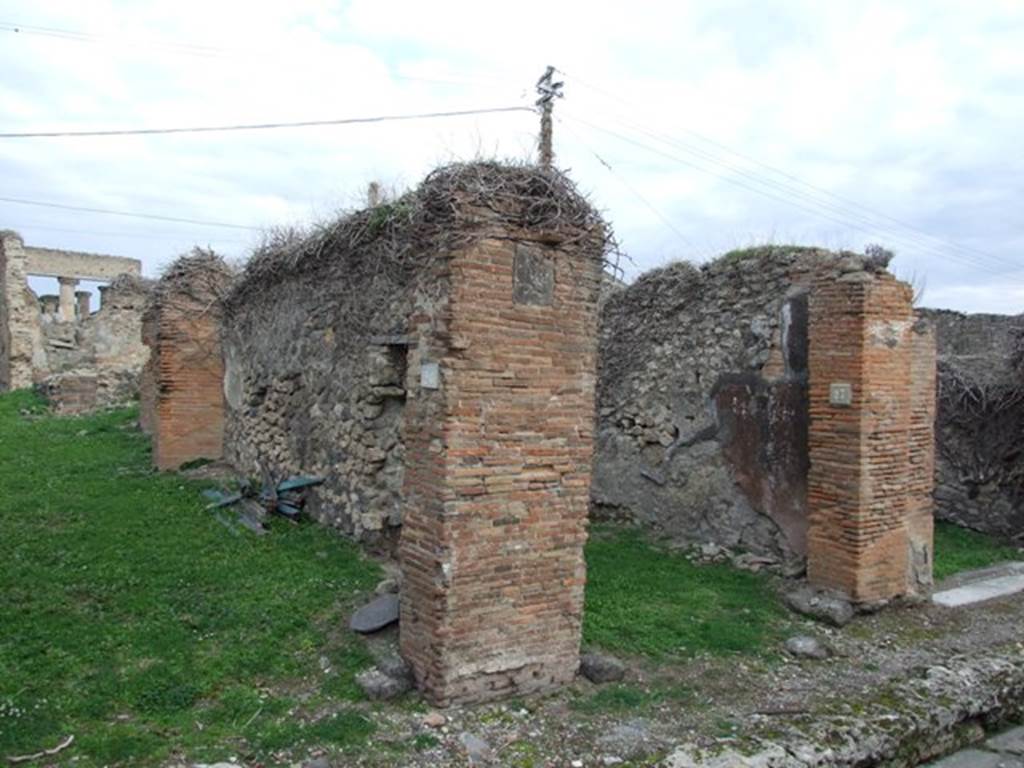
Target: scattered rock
477	750
710	551
631	739
377	614
821	605
806	647
601	668
751	562
376	685
434	720
395	666
318	762
1012	741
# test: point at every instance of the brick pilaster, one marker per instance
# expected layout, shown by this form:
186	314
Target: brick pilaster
864	494
498	472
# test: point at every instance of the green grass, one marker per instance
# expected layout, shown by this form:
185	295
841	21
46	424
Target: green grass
959	549
135	621
643	600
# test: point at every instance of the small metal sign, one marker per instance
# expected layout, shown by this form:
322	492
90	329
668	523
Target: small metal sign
430	375
840	393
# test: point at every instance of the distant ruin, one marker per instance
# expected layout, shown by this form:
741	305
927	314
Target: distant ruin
79	358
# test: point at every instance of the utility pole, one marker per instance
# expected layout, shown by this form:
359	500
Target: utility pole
548	91
373	194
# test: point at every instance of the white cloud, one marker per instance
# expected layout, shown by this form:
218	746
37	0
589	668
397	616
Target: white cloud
910	109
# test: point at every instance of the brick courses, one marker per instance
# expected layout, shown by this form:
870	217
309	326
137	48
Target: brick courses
183	390
868	485
498	473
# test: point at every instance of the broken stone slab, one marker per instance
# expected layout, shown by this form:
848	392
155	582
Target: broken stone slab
975	758
1012	741
478	751
601	668
821	605
695	757
395	666
990	584
379	686
375	615
806	647
632	739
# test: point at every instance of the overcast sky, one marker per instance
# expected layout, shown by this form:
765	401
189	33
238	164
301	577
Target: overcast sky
905	118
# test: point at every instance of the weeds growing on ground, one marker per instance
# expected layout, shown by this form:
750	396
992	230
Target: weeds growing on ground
644	600
136	622
959	549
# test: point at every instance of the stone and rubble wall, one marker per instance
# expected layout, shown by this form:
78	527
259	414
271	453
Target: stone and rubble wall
183	403
702	400
979	466
101	352
315	383
21	332
433	358
80	359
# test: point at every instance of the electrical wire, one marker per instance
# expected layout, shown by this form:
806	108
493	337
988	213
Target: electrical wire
622	180
130	214
741	184
263	126
820	190
874	226
212	51
27	226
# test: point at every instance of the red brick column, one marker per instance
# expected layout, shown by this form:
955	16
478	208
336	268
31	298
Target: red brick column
862	490
183	386
498	473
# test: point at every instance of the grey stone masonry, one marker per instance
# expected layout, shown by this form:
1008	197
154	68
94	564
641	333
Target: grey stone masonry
1003	751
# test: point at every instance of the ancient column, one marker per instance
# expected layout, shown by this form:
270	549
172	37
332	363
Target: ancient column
82	304
50	306
67	298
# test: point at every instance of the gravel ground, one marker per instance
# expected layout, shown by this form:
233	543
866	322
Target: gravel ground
704	701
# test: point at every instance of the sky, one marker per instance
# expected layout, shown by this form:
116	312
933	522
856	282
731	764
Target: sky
695	127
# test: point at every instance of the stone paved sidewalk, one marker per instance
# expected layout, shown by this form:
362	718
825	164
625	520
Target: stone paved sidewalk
1003	751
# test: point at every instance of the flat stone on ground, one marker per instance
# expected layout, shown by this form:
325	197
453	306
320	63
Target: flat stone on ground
478	751
821	605
806	647
975	758
631	739
377	614
1012	741
378	686
1009	582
